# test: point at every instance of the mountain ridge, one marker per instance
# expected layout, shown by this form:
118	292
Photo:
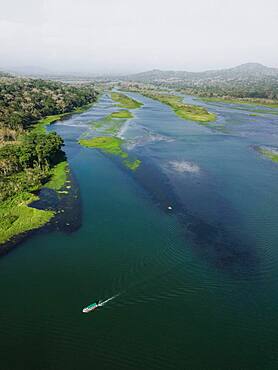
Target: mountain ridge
246	70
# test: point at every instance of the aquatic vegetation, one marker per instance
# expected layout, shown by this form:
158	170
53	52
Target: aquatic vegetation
114	128
250	101
111	145
17	217
132	165
183	110
107	144
125	101
269	153
121	114
40	126
113	122
59	175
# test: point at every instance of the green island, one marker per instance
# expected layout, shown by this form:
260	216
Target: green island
112	123
125	101
268	153
111	145
250	101
121	114
31	158
185	111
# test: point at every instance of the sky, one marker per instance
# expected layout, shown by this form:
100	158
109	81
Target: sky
125	36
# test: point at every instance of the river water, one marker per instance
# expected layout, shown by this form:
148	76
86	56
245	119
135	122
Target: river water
188	242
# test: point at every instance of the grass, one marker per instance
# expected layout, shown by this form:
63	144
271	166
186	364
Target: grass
16	217
251	101
40	126
82	109
273	155
59	175
184	111
125	101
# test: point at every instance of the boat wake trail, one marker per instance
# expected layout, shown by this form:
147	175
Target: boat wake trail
102	303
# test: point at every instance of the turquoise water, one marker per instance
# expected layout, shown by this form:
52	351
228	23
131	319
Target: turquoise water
197	283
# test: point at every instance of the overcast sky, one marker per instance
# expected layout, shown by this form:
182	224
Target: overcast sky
127	36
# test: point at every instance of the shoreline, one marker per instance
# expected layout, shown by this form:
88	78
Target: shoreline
244	101
36	218
66	218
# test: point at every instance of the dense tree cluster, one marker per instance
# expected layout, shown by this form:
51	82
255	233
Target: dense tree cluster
23	101
27	156
27	165
265	89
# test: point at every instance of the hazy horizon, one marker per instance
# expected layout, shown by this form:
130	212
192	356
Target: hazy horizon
106	37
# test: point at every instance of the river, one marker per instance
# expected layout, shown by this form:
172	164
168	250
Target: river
188	242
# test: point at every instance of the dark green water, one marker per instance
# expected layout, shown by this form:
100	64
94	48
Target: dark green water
198	284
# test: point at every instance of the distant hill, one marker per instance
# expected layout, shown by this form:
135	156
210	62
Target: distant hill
28	71
254	71
4	74
250	80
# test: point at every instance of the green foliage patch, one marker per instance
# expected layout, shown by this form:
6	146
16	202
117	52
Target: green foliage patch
107	144
268	153
17	217
58	175
125	101
185	111
121	114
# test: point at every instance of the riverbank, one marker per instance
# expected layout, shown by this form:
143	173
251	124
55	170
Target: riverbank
249	101
17	216
40	126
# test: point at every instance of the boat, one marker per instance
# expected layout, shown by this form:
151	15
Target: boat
91	307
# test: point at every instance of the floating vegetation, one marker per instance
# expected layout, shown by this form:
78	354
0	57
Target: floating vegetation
185	111
125	101
111	145
270	153
121	114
